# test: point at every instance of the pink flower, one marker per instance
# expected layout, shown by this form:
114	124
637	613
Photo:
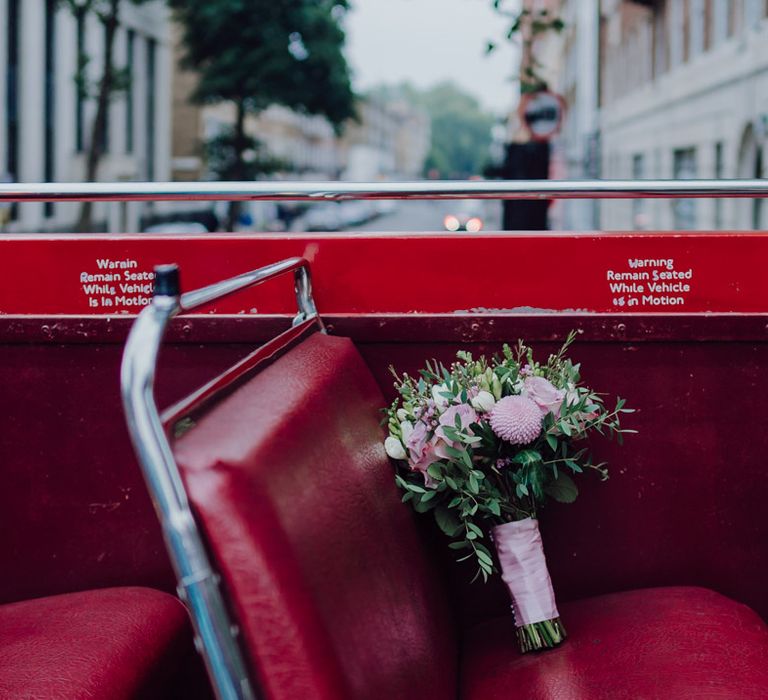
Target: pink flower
544	394
421	451
516	419
467	415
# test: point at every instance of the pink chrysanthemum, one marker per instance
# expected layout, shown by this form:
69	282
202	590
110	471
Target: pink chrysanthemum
516	419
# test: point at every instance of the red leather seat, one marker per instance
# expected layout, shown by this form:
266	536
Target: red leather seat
652	644
114	643
335	591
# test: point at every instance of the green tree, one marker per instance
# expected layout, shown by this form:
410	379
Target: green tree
254	53
461	132
526	24
111	81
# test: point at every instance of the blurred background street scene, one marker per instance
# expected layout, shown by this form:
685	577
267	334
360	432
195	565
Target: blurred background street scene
378	91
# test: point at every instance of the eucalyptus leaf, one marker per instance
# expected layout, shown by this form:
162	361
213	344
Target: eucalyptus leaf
447	520
562	489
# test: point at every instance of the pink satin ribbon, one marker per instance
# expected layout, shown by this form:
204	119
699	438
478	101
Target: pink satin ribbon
524	570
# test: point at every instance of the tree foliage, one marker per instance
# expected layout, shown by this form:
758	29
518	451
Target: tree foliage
255	53
221	156
261	52
527	24
461	131
111	80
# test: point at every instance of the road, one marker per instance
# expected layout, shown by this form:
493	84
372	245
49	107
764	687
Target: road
426	216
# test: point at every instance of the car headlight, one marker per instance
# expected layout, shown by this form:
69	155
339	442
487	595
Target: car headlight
451	223
475	224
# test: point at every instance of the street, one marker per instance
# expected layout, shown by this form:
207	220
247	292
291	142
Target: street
427	216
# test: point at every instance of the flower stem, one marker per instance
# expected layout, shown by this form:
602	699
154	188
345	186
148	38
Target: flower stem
541	635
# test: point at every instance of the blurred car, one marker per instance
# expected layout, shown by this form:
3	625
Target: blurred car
466	216
322	216
177	227
356	212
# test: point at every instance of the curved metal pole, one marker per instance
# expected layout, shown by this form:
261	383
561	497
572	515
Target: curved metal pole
198	581
337	191
218	290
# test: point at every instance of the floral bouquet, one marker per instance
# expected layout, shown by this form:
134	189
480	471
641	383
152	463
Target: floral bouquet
482	444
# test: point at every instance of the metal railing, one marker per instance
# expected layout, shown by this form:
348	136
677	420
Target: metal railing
337	191
198	582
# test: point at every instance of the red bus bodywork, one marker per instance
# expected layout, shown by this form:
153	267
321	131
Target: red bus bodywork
683	506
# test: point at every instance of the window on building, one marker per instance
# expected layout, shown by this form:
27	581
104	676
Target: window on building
735	16
696	16
49	109
754	11
150	106
720	11
103	135
80	89
676	33
12	95
129	94
684	168
639	215
719	173
660	44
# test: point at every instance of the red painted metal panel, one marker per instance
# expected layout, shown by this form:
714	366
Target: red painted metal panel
682	505
400	273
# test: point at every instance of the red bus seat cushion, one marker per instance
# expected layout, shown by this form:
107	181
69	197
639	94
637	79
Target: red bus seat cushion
652	644
335	594
115	643
331	584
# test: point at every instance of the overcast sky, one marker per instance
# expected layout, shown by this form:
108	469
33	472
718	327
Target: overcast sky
427	41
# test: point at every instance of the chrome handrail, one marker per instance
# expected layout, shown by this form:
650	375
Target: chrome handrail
275	190
198	582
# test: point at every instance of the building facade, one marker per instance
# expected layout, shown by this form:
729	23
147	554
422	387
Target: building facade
576	148
683	94
390	141
45	123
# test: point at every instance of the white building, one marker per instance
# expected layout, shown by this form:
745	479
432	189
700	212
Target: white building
390	142
577	81
45	126
684	95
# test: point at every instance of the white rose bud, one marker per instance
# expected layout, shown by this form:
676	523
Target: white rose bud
406	428
437	395
402	414
484	402
496	387
394	448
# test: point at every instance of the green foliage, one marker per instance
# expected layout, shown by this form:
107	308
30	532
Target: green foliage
461	129
461	132
112	80
107	12
262	52
223	154
527	24
469	477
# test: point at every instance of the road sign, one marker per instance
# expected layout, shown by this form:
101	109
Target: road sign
542	112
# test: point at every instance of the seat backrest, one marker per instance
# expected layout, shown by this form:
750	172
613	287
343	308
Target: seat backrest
334	591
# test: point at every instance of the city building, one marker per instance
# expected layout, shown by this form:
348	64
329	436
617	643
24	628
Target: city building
577	147
683	94
45	123
390	140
